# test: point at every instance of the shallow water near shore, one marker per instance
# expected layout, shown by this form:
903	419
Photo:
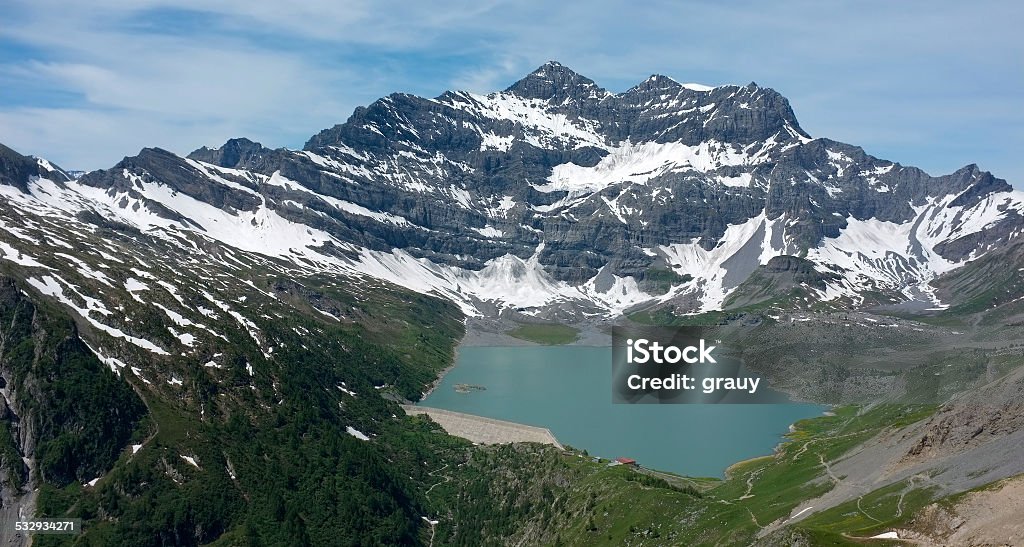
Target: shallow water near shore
568	390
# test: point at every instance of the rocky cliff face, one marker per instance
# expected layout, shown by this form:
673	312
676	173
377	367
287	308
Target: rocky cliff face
556	193
64	416
17	170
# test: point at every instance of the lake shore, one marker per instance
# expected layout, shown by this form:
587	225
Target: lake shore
567	390
490	332
729	470
444	372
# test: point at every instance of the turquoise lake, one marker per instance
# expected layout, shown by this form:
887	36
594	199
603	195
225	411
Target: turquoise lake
568	390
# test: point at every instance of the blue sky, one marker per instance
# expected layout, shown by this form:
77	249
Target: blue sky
934	84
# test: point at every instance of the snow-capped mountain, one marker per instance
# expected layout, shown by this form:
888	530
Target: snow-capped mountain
554	195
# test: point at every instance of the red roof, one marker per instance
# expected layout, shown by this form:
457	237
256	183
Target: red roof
626	461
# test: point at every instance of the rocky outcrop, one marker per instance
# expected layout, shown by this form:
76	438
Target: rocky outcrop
16	169
175	172
779	279
976	418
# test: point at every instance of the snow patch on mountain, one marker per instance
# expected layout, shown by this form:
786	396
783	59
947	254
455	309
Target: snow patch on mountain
743	247
541	127
505	282
737	181
489	231
50	286
697	87
356	433
261	231
354	209
641	162
9	253
495	142
872	254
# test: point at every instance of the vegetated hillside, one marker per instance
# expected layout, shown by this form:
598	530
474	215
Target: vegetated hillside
296	460
65	415
214	394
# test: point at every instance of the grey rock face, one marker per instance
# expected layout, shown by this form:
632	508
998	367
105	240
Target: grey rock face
17	170
556	82
172	170
585	181
235	153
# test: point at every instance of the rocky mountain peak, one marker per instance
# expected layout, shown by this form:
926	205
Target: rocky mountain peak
16	169
555	82
975	185
657	82
232	153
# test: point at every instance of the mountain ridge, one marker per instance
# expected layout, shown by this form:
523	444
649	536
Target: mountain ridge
558	197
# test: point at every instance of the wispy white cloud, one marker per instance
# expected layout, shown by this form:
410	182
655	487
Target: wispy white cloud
489	77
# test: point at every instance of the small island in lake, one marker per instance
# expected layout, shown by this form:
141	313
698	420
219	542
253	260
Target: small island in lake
466	388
